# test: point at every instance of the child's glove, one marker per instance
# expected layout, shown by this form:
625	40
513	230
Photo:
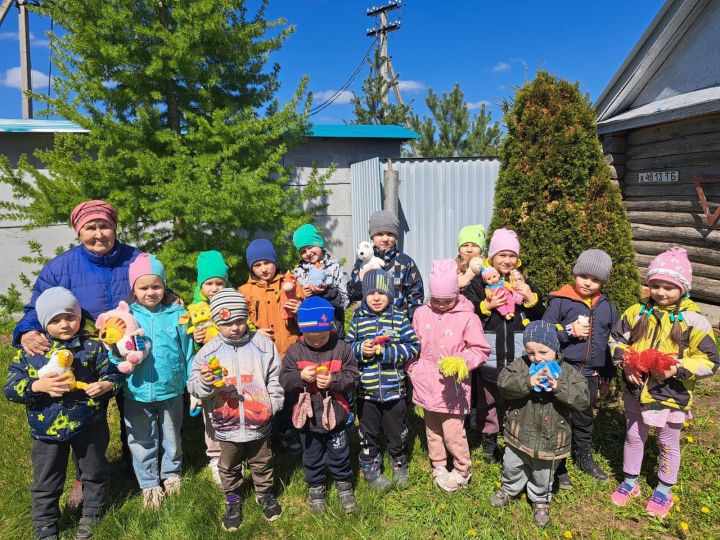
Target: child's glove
454	366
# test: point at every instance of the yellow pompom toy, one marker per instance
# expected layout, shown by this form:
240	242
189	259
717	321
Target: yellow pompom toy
454	366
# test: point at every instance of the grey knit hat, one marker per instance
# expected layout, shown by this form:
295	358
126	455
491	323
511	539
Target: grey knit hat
55	301
595	263
383	221
228	305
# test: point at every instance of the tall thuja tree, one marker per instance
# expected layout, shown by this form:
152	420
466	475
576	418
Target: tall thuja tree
184	136
554	188
369	107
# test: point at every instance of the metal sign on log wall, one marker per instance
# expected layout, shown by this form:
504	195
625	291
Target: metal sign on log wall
659	177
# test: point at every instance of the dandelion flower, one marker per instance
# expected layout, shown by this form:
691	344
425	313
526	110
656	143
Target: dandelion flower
677	508
676	499
684	526
472	533
705	510
567	534
497	484
690	439
441	507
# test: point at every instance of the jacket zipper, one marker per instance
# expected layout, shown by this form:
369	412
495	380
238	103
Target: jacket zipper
152	382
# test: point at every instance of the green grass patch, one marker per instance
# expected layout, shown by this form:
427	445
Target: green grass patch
417	511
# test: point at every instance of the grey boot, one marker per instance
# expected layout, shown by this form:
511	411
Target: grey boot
346	496
400	471
373	474
316	499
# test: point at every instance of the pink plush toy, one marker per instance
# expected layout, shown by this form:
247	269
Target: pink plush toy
120	333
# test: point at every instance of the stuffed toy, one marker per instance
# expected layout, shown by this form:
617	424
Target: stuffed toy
119	332
582	320
316	276
475	264
366	254
60	363
287	292
554	369
199	315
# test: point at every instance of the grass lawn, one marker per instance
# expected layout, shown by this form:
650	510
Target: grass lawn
417	511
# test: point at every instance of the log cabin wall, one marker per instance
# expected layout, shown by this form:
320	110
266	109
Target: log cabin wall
666	213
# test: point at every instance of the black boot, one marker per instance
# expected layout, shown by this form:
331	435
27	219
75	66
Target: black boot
491	451
586	463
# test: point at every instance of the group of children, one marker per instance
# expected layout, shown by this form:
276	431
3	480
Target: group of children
281	365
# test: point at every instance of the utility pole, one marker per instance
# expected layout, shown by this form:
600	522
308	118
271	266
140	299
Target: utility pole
25	66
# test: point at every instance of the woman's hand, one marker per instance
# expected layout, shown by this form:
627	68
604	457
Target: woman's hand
34	343
524	289
495	302
98	388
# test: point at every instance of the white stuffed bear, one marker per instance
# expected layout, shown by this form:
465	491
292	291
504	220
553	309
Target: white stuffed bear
366	254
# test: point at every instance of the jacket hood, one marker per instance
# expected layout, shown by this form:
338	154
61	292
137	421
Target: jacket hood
569	292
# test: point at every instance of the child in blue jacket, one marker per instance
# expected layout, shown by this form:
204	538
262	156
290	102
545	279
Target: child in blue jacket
154	390
66	392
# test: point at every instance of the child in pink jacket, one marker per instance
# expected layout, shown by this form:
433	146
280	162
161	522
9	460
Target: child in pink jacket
452	345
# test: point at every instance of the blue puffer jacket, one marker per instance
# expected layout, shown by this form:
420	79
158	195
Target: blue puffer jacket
591	355
164	373
99	283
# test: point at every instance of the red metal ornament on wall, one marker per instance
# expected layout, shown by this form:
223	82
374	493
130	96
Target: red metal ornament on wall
711	217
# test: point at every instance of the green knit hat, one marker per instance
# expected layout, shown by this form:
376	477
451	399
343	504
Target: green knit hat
307	235
211	264
474	234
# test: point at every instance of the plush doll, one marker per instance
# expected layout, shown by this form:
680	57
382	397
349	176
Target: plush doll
495	288
554	369
317	276
120	333
199	315
60	363
287	292
366	254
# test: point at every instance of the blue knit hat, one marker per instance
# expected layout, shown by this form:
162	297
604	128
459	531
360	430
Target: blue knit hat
378	281
315	315
260	249
542	332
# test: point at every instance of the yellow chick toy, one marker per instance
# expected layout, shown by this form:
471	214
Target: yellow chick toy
60	363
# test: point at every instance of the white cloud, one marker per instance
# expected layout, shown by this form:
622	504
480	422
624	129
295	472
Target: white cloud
11	79
34	40
472	105
501	66
411	86
344	97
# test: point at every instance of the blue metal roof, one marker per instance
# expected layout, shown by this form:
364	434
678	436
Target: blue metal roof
347	131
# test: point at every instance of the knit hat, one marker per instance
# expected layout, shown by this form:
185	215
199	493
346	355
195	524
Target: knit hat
443	279
145	264
595	263
672	266
474	234
383	221
210	264
227	306
380	281
260	249
315	315
503	240
54	301
89	210
307	235
542	332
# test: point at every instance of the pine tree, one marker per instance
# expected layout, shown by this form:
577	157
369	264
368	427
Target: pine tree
184	135
448	130
555	191
369	107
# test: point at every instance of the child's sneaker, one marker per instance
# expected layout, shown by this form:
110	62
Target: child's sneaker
232	517
452	481
437	471
153	497
564	481
624	493
346	496
500	499
659	504
213	466
270	508
47	532
84	530
316	499
172	485
541	513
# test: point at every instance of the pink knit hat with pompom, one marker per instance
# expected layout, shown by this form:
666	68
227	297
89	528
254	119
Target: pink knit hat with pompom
443	279
672	266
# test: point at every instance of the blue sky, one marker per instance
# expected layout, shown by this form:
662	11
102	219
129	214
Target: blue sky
482	44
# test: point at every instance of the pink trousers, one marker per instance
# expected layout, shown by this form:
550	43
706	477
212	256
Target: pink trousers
446	433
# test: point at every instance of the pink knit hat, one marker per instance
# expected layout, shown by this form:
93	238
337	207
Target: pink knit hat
443	279
672	266
503	240
89	210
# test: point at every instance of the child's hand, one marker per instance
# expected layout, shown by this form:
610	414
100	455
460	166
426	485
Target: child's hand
539	376
207	375
552	381
308	291
267	332
580	330
633	376
662	376
308	374
98	388
292	305
53	384
199	336
368	349
495	302
323	379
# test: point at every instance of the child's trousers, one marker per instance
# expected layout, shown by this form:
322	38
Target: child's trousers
521	470
445	430
668	443
50	461
259	459
388	418
321	450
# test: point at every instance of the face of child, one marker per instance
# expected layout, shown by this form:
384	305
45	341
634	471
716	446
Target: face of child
64	326
384	241
211	286
233	330
664	293
491	278
264	270
443	304
504	261
587	286
377	301
149	290
317	339
98	236
469	250
311	254
537	352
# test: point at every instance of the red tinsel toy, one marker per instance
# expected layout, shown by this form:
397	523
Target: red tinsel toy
649	360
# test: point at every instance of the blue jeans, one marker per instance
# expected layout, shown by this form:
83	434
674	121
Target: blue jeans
154	439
